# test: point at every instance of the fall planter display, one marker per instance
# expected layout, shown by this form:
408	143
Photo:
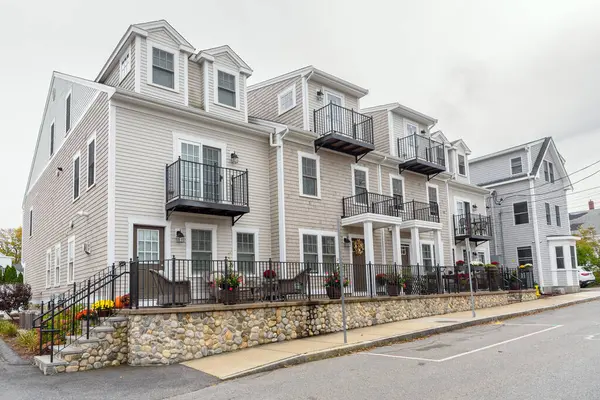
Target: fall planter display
105	313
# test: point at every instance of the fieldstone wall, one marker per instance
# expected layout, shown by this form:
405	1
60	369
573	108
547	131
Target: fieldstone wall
167	336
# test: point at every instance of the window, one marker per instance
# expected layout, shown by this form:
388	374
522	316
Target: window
76	177
516	166
287	99
411	129
360	186
309	175
521	213
398	193
91	178
329	253
163	68
462	168
52	139
432	196
125	65
148	241
524	255
68	114
246	253
57	265
310	248
548	171
319	247
48	268
560	257
202	242
573	257
551	169
557	211
30	221
226	89
481	256
427	255
71	260
548	216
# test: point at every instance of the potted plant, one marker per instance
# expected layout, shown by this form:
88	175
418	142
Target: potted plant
526	266
333	284
393	284
492	273
476	264
103	308
460	263
229	284
380	279
514	281
86	314
122	301
408	281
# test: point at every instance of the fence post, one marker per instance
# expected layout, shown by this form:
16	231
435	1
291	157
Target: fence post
73	311
419	278
173	285
41	324
271	281
353	126
52	333
308	279
112	285
438	279
88	312
370	281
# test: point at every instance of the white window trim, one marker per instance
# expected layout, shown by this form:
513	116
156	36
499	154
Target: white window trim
409	122
122	75
510	164
157	222
437	194
458	164
69	95
301	186
528	213
431	245
75	157
53	123
319	234
229	71
283	93
400	178
458	199
180	137
366	170
335	93
49	264
71	279
203	227
87	164
57	264
30	227
255	232
149	45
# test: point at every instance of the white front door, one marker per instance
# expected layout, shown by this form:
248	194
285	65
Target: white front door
334	114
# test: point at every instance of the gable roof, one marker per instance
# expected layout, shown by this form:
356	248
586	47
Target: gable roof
209	54
460	142
310	72
506	151
404	111
587	219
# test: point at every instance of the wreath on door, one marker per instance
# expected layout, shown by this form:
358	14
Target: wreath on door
358	246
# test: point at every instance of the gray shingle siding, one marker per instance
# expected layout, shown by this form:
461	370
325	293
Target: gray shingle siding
263	103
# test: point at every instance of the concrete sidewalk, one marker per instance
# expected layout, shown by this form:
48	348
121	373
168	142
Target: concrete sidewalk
276	355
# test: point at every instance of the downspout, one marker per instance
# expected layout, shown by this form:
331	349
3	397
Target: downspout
536	230
380	188
450	221
276	140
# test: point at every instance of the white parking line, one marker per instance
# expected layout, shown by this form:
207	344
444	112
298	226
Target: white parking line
467	352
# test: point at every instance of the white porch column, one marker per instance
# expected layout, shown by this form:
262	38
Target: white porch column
397	258
369	253
415	247
439	247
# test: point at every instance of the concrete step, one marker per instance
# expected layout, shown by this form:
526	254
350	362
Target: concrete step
50	368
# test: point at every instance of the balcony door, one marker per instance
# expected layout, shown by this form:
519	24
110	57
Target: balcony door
212	176
190	170
201	172
463	212
334	115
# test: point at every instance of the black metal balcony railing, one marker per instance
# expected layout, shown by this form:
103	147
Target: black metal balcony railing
417	147
188	180
344	121
472	226
392	206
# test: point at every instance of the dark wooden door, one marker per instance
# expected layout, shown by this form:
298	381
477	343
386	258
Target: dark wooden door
149	250
359	268
405	254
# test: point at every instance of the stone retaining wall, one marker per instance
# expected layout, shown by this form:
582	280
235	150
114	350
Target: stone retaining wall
168	336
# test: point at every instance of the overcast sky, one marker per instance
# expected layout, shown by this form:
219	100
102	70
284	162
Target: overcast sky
495	73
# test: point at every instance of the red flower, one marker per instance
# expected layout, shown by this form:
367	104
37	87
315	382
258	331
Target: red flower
231	289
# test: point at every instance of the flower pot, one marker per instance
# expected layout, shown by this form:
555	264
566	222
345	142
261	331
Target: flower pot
230	295
392	290
333	292
104	313
514	285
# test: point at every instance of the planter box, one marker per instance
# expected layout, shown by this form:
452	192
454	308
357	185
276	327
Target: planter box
230	296
333	292
393	290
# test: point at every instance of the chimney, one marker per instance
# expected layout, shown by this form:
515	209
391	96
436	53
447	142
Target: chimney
591	204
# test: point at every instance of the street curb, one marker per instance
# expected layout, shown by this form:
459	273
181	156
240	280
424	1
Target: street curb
10	356
351	348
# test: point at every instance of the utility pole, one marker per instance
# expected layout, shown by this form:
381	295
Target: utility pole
342	278
468	260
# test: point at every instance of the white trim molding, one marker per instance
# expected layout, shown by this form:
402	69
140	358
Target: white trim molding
111	168
149	45
141	220
56	264
71	242
255	231
91	139
76	157
203	227
355	167
317	158
236	75
319	234
284	92
138	64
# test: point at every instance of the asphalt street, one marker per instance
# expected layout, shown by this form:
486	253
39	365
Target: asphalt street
551	355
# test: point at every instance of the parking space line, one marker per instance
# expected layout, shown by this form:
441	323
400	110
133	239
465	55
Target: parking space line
529	324
404	357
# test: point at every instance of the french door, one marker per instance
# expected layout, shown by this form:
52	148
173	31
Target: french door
201	173
212	173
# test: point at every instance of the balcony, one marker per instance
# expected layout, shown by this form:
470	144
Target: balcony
422	155
475	227
392	206
206	189
344	130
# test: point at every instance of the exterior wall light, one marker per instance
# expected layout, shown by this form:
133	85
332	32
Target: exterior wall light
234	158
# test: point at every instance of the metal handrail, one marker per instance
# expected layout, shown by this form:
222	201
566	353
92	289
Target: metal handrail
345	121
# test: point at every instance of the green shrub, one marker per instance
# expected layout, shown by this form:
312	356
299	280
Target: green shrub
28	339
7	328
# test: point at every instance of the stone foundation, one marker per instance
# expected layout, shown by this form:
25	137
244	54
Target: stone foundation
168	336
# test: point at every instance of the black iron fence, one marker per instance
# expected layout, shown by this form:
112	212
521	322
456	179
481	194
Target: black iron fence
472	225
347	122
190	180
417	146
368	202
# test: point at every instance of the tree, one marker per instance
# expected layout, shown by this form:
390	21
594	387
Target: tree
588	247
10	275
10	243
14	297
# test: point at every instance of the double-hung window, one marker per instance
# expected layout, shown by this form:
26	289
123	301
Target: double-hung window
560	257
226	89
30	221
427	255
557	211
68	114
201	249
309	174
398	193
163	68
57	265
548	216
432	194
71	260
52	139
524	255
246	253
548	171
319	249
516	165
286	100
49	260
125	65
462	166
91	160
329	253
573	257
551	169
310	248
521	213
360	186
76	168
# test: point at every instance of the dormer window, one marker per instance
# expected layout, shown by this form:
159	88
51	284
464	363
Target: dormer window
124	65
287	99
163	68
226	94
462	166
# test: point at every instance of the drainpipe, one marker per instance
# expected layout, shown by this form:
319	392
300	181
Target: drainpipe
276	140
380	189
536	230
450	224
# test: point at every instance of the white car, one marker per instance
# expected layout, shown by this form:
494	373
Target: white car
585	277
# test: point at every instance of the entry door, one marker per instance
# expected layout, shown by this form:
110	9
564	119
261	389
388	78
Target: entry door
190	170
334	114
405	254
212	173
148	247
359	268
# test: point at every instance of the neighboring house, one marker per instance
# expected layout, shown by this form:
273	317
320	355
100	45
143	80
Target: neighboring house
5	261
585	219
158	158
529	210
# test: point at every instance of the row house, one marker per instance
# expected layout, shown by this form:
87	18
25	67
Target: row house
169	153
